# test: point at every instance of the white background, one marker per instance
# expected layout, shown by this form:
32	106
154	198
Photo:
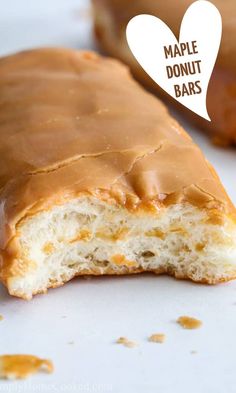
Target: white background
94	313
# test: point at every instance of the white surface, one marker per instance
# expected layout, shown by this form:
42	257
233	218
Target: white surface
94	313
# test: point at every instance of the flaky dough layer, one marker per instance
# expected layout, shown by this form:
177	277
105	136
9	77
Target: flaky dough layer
75	124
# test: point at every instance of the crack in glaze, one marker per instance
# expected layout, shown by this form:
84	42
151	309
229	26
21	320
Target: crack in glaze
75	159
137	159
205	192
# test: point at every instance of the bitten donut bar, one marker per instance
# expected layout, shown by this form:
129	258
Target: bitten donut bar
97	178
111	18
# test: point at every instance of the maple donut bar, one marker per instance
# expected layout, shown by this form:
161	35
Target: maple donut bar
97	178
110	20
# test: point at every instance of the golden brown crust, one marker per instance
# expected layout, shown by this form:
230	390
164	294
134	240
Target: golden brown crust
74	124
125	272
111	18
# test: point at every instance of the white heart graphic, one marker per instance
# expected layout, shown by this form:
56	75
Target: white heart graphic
153	43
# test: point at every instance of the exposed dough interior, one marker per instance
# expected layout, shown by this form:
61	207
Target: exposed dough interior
89	236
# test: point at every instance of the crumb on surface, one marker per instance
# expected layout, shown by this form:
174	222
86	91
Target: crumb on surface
127	343
22	366
70	342
193	352
1	317
157	338
189	322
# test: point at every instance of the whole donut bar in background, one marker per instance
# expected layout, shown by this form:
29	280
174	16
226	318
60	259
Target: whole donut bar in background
111	18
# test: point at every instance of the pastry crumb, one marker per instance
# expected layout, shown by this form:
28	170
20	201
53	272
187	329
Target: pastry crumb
193	352
70	342
22	366
157	338
1	317
127	343
189	322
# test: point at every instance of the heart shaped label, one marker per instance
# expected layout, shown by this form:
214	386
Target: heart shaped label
180	67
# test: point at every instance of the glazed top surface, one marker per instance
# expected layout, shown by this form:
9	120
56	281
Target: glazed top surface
74	122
